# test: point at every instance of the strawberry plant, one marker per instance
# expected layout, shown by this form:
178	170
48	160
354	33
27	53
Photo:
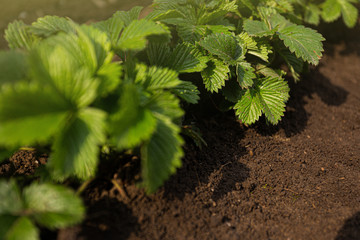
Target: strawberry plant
236	55
119	84
45	204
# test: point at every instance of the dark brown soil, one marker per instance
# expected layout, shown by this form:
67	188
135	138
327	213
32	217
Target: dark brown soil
24	162
298	180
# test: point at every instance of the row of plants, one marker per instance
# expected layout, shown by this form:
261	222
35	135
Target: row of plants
125	84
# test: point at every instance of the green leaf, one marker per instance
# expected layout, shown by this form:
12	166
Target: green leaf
187	91
190	33
18	36
76	147
186	13
29	114
217	13
11	202
349	13
260	49
222	29
267	96
269	72
160	15
166	104
112	27
248	108
215	16
53	206
132	124
50	25
161	155
95	42
13	66
312	14
278	21
183	59
6	222
224	46
128	16
68	64
257	28
295	64
331	10
23	229
134	36
158	54
304	42
156	78
245	74
56	68
215	75
109	75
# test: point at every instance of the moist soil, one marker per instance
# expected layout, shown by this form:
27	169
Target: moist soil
297	180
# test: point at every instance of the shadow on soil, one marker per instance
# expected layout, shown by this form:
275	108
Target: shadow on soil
215	167
107	218
351	229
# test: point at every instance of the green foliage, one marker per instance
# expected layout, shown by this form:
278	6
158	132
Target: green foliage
118	83
22	228
50	25
304	42
333	9
18	36
53	206
133	123
267	96
48	205
23	105
13	67
223	46
75	149
161	155
215	75
134	36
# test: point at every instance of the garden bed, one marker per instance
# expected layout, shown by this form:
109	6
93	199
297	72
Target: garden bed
297	180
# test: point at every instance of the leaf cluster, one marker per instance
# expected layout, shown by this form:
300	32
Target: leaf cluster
43	204
308	11
238	46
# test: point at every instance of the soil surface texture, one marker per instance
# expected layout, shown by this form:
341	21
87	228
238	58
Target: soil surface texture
297	180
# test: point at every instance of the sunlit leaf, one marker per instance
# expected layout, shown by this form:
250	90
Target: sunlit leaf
11	202
53	206
76	147
18	36
215	75
134	36
50	25
132	123
30	113
268	96
161	155
23	229
224	46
